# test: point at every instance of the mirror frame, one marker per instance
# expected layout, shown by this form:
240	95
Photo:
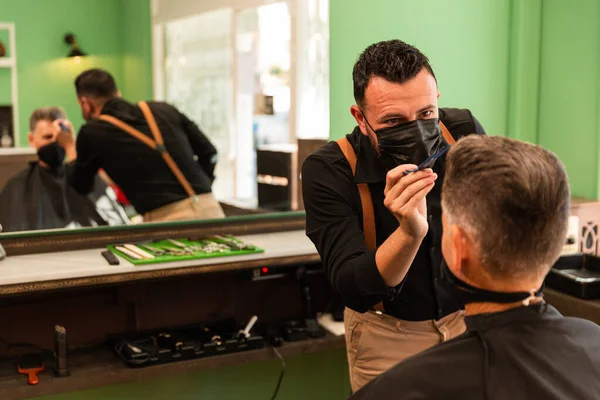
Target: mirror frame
55	240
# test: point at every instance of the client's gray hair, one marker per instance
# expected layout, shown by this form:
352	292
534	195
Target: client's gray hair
45	114
513	200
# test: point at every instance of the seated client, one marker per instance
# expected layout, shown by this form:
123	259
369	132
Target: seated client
505	214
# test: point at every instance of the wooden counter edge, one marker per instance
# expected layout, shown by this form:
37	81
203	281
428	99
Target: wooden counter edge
571	306
111	279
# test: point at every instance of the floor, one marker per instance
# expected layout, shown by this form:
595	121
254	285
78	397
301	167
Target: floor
316	376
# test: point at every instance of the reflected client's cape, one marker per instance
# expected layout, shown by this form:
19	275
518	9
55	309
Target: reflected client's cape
41	198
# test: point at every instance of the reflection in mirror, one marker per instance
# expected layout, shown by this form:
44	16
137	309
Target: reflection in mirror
40	195
238	96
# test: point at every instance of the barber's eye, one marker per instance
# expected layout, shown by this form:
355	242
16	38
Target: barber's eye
427	114
393	121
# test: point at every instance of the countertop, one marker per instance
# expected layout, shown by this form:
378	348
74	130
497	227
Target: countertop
48	271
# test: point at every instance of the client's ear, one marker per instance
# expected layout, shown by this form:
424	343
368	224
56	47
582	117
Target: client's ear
464	252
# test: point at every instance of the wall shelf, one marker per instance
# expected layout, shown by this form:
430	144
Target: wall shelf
7	62
10	63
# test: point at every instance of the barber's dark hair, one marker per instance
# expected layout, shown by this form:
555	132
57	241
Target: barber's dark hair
45	114
96	83
512	198
392	60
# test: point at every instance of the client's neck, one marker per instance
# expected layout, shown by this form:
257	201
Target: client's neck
496	284
486	308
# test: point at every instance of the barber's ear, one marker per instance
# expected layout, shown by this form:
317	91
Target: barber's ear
87	106
360	119
119	94
30	138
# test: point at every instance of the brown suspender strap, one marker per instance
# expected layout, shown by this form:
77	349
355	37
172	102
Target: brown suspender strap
151	122
132	131
366	203
163	150
156	144
365	196
446	134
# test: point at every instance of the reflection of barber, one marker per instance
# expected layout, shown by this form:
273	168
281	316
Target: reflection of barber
40	197
163	182
505	217
378	231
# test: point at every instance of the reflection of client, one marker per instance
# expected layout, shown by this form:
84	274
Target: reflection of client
159	158
39	197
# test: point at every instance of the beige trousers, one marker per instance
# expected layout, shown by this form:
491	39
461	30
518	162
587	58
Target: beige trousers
376	342
205	207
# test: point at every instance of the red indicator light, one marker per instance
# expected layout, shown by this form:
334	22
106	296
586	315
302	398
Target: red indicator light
265	270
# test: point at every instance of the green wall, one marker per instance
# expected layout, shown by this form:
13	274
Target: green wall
136	37
465	40
570	89
528	69
115	33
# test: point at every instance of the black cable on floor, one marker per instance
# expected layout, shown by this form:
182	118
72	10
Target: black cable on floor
10	345
280	374
45	352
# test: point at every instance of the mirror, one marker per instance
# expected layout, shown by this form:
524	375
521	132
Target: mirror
253	77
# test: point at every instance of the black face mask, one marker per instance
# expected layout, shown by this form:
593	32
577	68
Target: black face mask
52	154
410	142
466	293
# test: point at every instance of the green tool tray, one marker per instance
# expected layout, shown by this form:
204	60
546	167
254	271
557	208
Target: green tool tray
196	255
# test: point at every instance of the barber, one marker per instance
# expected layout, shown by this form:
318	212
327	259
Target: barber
378	230
158	157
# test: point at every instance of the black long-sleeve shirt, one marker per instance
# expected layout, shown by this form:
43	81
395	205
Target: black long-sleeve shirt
334	224
521	354
137	169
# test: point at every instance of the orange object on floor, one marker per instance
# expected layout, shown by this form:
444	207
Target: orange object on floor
31	365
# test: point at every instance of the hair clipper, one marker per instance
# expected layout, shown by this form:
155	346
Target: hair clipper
61	365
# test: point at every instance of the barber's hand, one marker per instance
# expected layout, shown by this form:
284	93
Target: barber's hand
65	139
405	198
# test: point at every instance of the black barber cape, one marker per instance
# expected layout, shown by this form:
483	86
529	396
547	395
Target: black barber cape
41	198
527	353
